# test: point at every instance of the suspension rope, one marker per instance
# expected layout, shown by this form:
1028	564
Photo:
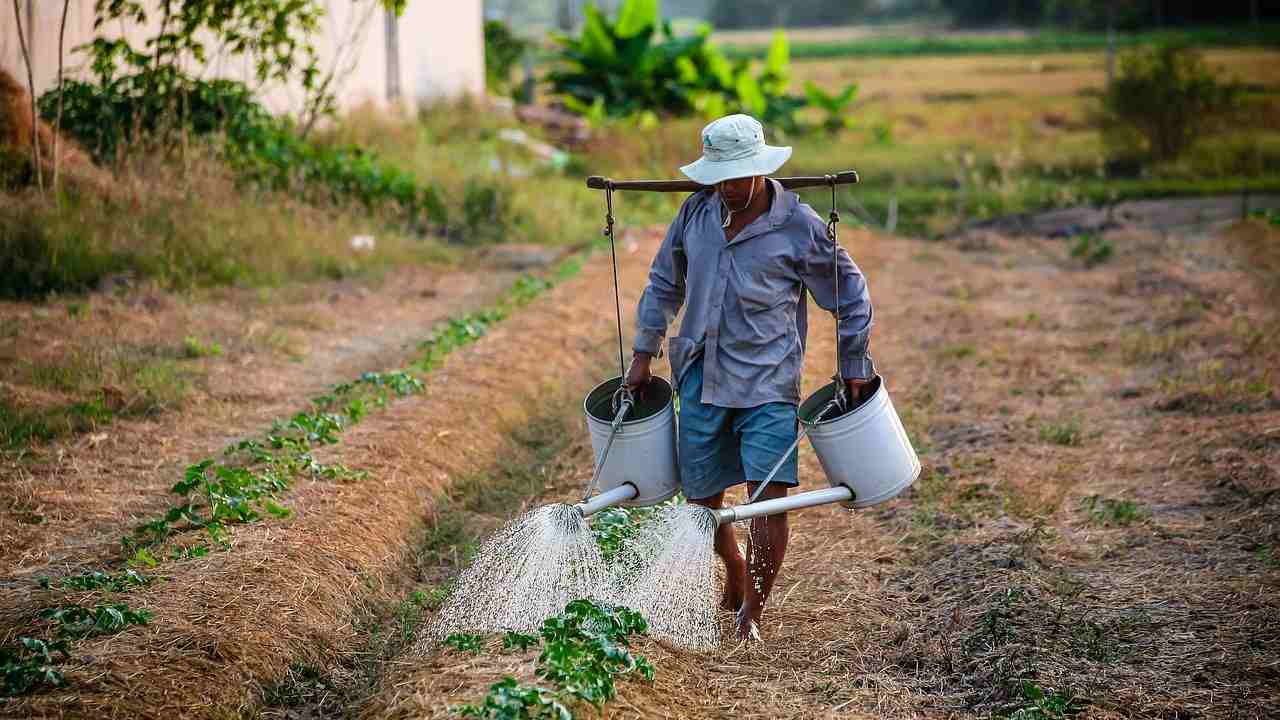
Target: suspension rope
617	300
833	236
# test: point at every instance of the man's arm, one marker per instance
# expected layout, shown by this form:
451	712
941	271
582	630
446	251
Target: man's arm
822	266
661	301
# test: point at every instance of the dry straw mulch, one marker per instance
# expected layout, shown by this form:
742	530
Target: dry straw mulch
227	625
1032	386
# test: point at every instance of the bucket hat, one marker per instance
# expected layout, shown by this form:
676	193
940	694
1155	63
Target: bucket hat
734	147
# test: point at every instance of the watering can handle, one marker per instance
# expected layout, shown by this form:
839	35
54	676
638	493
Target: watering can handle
622	407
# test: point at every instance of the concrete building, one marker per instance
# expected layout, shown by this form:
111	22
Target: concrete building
435	50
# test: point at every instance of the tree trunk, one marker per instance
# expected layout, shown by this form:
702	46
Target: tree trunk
1254	15
57	121
564	15
31	87
393	56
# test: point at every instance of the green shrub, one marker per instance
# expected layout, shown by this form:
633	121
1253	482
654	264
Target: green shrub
108	116
1063	433
15	169
836	105
1168	97
1092	249
1110	511
193	347
36	260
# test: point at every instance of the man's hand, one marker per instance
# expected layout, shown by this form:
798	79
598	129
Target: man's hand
859	390
638	374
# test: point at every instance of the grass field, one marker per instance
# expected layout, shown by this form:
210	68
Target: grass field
912	41
962	138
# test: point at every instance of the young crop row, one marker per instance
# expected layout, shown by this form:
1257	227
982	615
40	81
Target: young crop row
244	486
583	650
31	662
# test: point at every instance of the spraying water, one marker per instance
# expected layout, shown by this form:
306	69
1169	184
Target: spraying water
531	568
668	575
526	572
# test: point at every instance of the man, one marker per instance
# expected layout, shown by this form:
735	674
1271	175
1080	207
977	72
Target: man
739	257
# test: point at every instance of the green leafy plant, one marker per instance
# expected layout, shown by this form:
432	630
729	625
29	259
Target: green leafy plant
997	625
518	641
1168	97
193	348
1067	432
583	650
882	134
29	665
1092	249
465	642
1041	704
1110	511
835	105
98	580
77	622
612	529
511	700
1270	217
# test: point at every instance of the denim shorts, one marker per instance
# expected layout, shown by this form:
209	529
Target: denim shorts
722	447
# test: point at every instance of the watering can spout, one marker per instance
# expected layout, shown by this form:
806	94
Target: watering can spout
624	492
839	493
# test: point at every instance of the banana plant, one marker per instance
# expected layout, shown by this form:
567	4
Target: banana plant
835	105
637	64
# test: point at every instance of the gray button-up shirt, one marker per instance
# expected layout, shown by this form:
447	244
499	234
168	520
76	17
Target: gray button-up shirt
745	312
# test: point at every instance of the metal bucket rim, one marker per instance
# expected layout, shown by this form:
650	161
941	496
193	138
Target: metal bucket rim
864	408
666	385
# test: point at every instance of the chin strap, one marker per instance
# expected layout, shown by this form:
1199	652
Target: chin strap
729	214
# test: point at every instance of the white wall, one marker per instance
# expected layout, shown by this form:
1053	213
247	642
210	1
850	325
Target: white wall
441	47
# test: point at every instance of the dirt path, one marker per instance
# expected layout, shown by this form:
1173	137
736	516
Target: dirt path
1096	534
66	504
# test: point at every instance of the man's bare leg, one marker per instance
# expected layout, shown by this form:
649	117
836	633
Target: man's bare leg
764	558
727	548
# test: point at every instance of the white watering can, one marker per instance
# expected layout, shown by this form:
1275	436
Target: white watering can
864	452
634	443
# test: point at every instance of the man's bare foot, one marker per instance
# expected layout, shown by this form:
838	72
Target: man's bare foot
732	599
748	623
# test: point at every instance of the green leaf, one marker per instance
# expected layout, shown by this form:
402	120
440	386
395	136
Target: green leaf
596	42
636	16
276	510
749	94
778	61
